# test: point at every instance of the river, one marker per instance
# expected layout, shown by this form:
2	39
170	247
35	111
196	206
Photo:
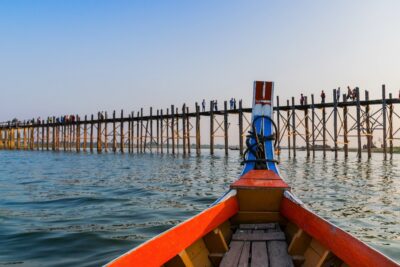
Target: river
63	209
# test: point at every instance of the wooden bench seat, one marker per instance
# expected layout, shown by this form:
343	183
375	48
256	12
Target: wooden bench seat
258	245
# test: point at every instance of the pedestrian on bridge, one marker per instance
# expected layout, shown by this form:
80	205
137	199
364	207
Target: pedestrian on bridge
302	99
323	96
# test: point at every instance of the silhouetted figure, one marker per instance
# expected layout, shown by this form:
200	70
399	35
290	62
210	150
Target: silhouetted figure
203	105
349	93
354	93
323	96
302	99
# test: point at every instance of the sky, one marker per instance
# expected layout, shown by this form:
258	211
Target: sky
80	57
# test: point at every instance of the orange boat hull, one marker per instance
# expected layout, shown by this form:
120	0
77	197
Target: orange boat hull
258	197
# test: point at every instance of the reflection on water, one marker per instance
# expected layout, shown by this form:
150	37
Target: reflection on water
61	209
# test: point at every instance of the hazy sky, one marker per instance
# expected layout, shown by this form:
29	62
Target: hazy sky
59	57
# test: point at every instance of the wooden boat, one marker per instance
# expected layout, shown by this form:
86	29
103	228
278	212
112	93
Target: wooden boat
258	222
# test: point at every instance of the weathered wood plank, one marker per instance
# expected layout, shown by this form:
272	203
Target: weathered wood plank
245	255
232	257
259	255
278	256
277	236
259	226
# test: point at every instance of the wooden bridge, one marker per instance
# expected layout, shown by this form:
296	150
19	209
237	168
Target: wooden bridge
334	126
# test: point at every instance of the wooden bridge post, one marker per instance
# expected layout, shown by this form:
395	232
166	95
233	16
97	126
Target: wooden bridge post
240	115
142	143
384	121
138	144
64	125
212	127
358	123
18	137
289	128
74	131
367	118
57	135
158	131
6	142
105	131
25	140
313	125
198	129
226	125
69	134
37	135
9	137
6	138
151	130
1	138
335	120
78	134
307	128
167	128
162	131
122	135
85	134
48	135
294	127
14	137
184	128
345	139
177	129
99	133
323	128
42	135
188	130
129	133
32	137
390	127
173	128
91	133
114	133
133	132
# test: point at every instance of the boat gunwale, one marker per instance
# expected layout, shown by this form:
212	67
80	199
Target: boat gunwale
224	210
350	249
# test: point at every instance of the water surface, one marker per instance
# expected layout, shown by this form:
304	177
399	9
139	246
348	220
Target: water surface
63	209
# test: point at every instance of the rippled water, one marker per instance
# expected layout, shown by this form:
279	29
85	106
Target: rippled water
63	209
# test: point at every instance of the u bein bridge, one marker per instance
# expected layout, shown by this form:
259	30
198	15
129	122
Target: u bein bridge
309	127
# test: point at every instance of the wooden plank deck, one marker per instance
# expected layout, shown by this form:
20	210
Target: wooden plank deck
257	245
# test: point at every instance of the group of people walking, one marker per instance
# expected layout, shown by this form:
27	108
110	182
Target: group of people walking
351	94
232	105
